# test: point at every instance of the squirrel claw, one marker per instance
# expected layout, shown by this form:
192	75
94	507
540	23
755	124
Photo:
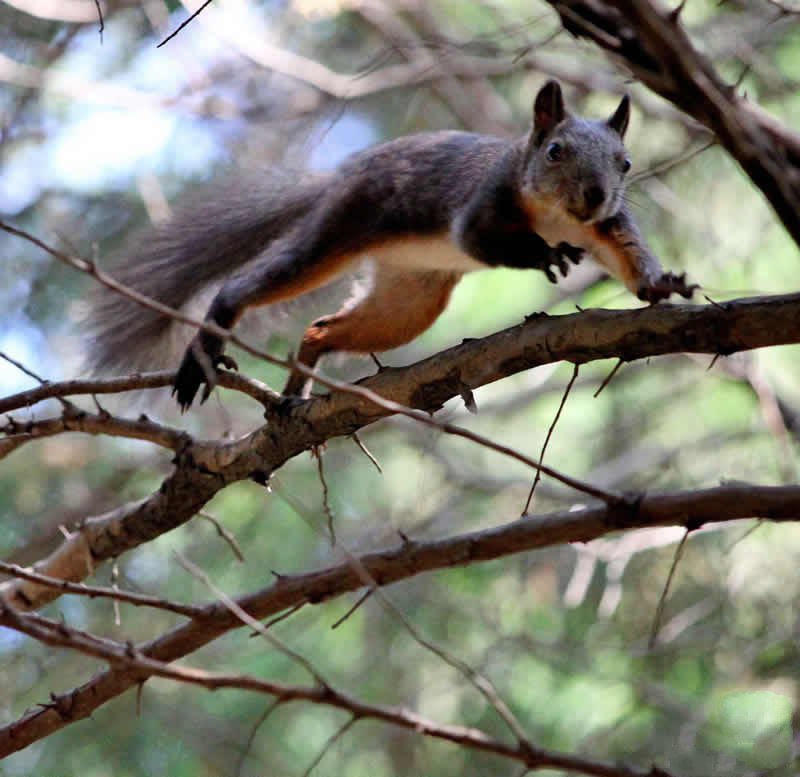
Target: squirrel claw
228	362
199	366
669	283
573	253
560	257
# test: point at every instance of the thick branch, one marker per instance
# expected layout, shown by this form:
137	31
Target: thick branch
204	468
689	509
130	660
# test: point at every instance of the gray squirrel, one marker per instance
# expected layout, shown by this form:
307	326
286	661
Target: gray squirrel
425	209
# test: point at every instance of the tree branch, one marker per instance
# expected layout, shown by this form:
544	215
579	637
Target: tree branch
204	468
689	509
128	659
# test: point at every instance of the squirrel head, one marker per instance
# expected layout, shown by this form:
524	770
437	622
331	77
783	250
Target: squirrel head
574	164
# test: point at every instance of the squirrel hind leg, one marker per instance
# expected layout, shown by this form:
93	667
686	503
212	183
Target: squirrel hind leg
392	311
312	347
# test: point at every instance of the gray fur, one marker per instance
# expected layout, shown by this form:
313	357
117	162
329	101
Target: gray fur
183	262
470	188
592	156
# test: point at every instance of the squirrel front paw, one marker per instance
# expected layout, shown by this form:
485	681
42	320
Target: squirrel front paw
199	366
558	257
666	285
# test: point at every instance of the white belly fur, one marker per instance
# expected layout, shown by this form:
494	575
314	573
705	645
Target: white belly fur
434	252
555	226
439	252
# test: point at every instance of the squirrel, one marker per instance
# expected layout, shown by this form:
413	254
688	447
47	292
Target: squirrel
424	208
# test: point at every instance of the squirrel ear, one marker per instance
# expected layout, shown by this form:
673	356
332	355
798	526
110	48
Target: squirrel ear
548	109
619	121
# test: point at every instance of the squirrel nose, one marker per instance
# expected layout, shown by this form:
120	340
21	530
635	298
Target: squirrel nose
594	197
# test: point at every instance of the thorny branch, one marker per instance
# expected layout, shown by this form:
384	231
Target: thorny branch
204	468
690	509
133	661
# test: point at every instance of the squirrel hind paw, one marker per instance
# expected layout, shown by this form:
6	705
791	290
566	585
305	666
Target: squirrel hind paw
188	380
197	368
571	252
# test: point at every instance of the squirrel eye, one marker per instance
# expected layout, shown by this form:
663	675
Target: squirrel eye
626	165
553	152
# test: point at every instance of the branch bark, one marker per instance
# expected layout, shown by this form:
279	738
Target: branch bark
689	509
130	660
204	468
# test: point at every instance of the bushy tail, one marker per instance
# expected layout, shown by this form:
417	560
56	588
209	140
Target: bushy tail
206	241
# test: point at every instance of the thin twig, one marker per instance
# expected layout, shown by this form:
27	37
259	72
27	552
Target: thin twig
43	384
95	592
326	504
662	600
608	378
538	475
361	599
184	23
100	17
224	534
268	710
284	615
329	744
668	164
249	620
366	451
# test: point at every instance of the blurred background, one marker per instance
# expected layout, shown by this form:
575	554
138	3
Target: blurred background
103	132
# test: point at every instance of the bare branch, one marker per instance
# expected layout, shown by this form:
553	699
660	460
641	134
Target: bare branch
268	710
76	420
203	468
335	737
95	592
135	382
694	508
549	434
662	601
136	663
